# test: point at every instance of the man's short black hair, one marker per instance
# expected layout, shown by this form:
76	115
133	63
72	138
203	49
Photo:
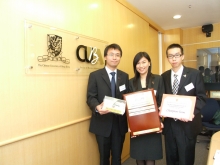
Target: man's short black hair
112	46
175	46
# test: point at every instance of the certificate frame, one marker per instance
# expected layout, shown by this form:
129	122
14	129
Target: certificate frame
214	94
142	116
178	106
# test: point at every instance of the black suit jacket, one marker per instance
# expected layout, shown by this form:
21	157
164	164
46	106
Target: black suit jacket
99	86
189	75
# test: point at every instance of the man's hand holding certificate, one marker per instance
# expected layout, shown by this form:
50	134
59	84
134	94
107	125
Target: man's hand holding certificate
178	106
114	105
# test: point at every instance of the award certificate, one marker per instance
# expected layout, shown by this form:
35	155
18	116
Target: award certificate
178	106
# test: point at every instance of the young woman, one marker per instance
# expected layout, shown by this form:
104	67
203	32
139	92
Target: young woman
148	147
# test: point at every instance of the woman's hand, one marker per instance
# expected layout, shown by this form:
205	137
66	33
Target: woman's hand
161	125
129	130
160	113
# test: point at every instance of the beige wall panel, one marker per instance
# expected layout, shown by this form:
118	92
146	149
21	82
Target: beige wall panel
191	64
195	35
190	52
58	100
126	148
32	105
133	38
170	37
60	147
194	39
136	11
191	39
154	50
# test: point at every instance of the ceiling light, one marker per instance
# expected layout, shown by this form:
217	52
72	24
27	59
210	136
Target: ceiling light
176	16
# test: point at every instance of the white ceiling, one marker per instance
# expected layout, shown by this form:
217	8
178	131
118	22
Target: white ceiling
194	12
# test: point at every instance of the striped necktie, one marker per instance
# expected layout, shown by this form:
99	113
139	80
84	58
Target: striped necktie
175	85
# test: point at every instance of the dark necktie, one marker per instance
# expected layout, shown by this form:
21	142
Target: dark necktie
113	84
175	85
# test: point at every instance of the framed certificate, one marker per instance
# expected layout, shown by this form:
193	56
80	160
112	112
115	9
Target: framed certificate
178	106
142	112
215	94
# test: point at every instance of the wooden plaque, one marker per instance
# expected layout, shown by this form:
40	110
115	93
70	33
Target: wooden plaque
142	112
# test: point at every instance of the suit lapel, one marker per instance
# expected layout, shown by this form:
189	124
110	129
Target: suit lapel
184	76
106	77
118	81
168	82
139	85
151	82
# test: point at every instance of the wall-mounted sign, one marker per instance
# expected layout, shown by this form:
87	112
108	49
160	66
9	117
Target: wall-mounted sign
91	54
54	50
50	50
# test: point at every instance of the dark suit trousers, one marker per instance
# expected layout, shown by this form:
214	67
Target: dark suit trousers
180	150
112	144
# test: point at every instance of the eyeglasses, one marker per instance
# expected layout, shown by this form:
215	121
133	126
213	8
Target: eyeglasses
170	56
114	55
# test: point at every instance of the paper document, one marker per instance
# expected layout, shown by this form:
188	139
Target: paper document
178	106
114	105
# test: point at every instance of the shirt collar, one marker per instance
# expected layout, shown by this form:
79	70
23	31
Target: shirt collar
109	71
179	72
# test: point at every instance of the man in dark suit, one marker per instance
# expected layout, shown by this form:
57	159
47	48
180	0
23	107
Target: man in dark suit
109	128
180	134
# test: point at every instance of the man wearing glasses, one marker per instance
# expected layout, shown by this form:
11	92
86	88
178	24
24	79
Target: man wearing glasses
109	128
180	134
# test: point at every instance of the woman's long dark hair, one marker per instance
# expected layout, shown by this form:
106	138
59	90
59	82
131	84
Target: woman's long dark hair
137	58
